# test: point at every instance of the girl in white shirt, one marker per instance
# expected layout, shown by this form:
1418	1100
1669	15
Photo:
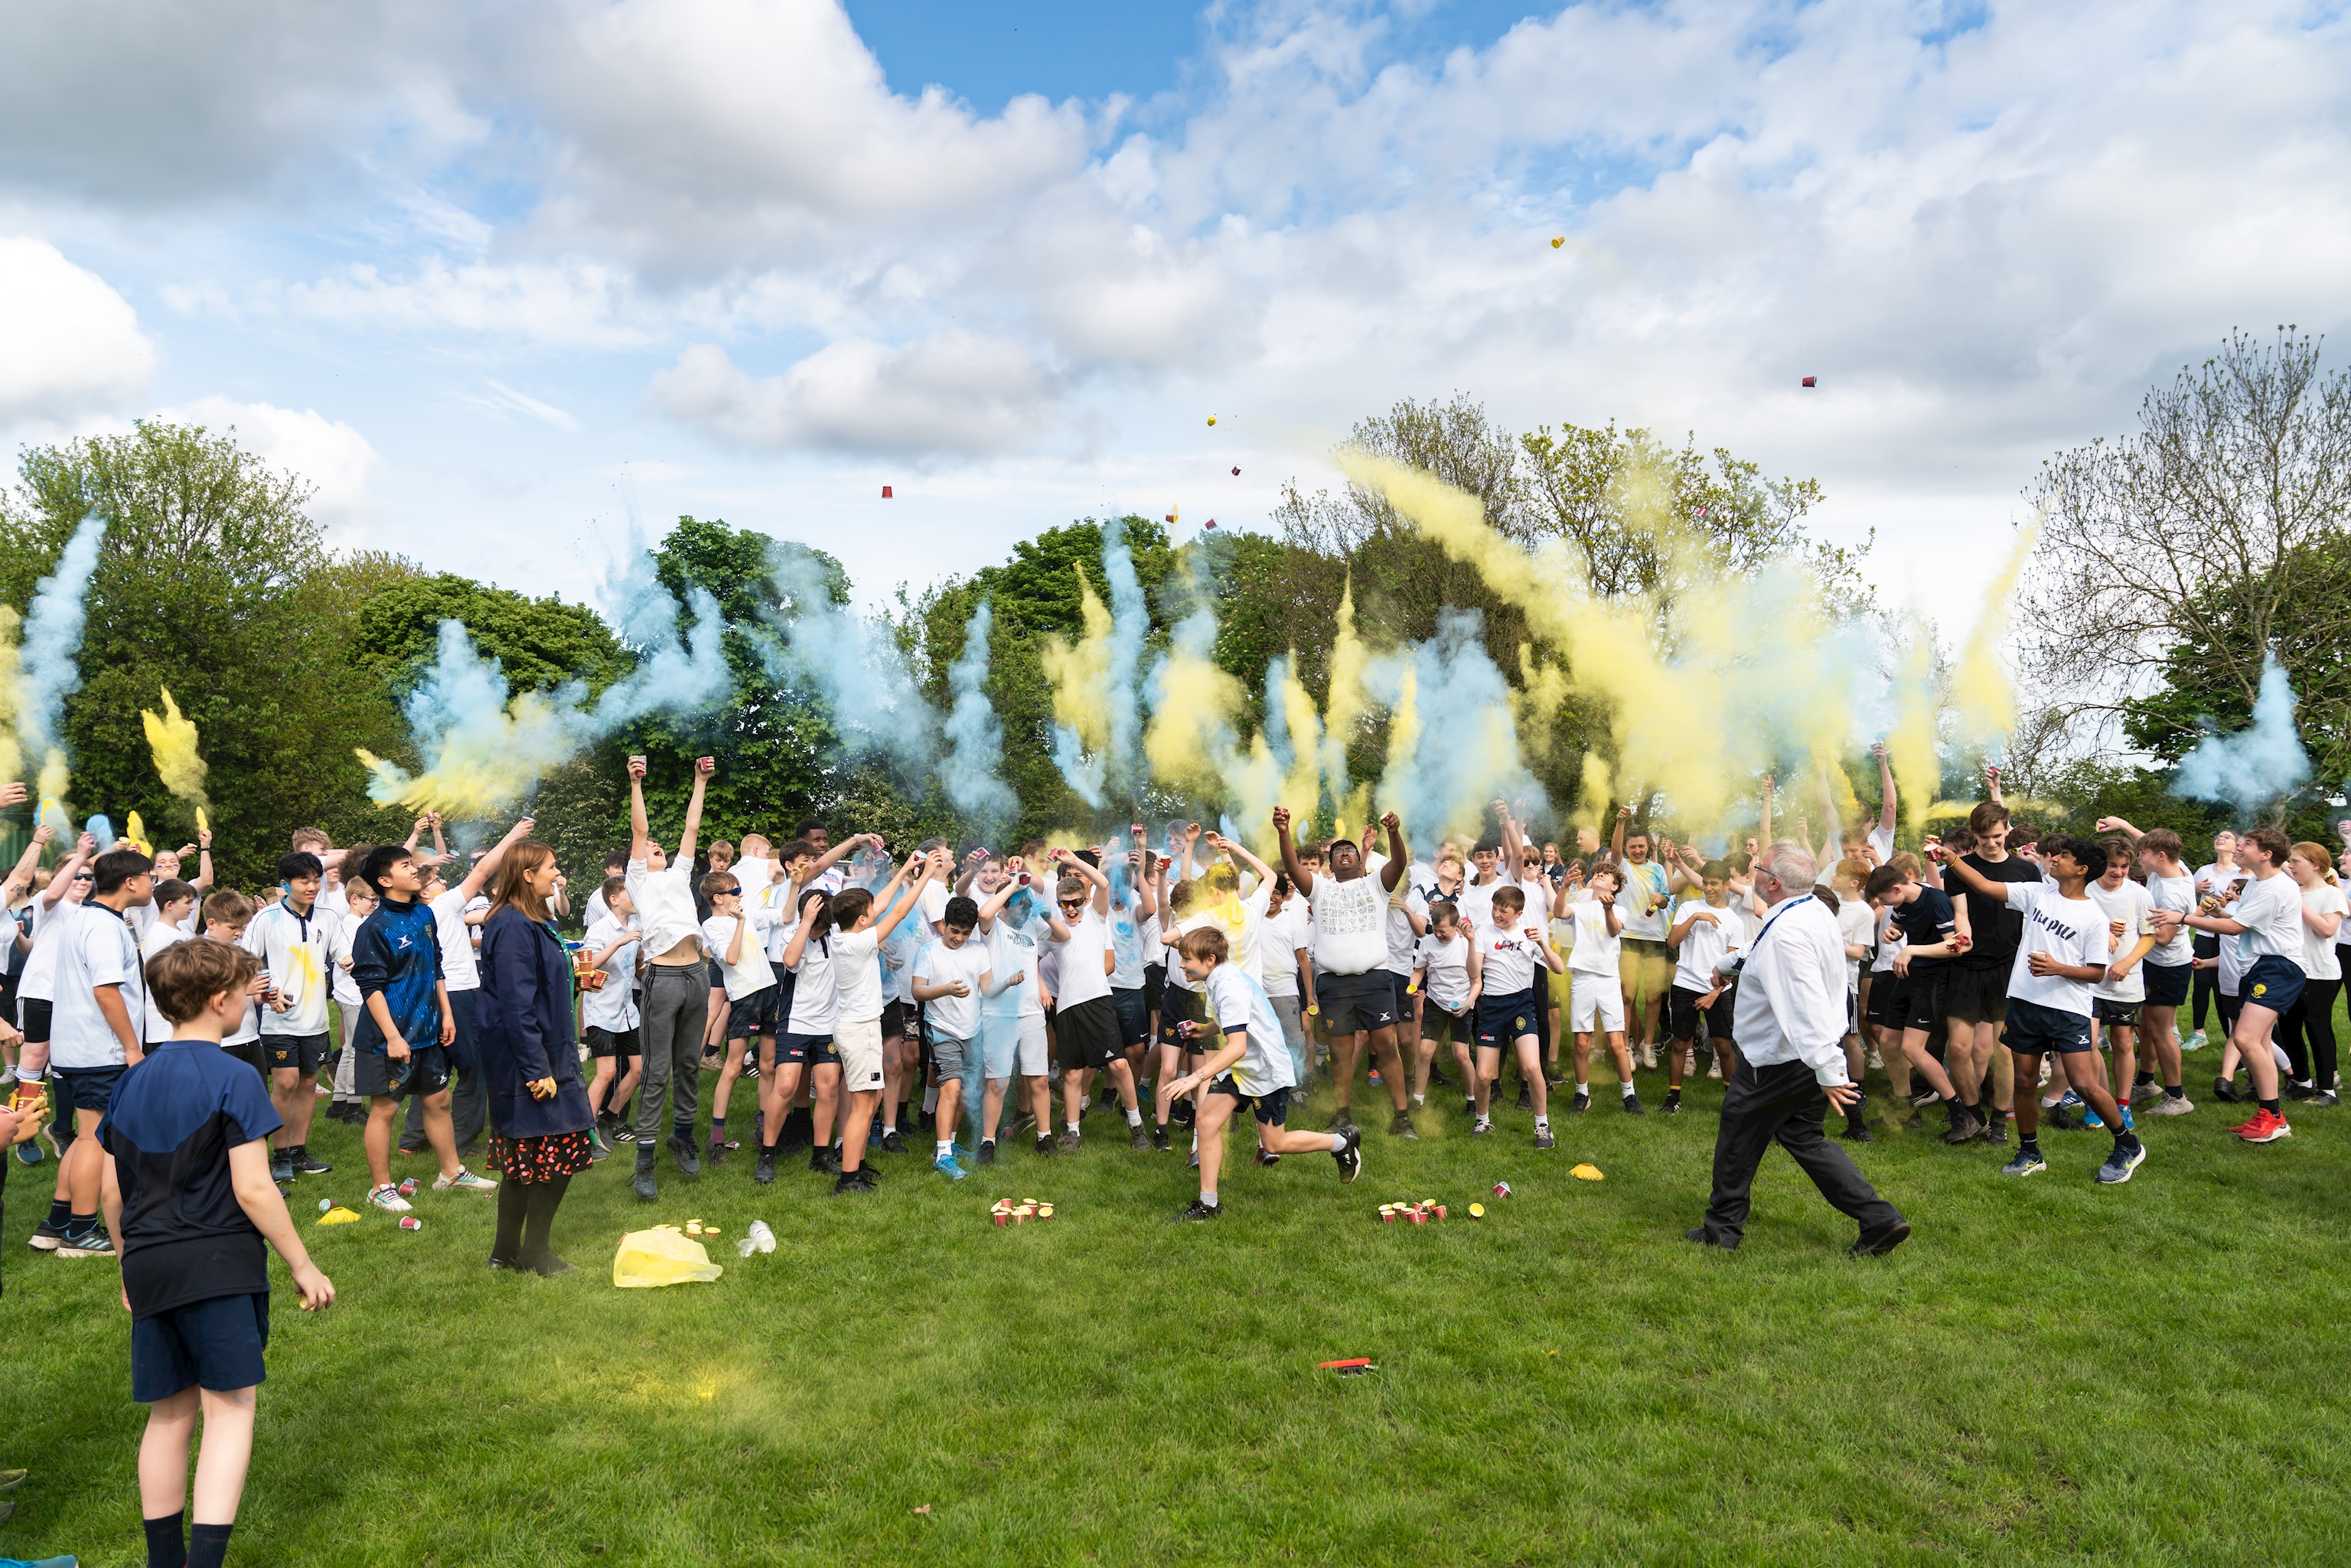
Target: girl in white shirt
2308	1029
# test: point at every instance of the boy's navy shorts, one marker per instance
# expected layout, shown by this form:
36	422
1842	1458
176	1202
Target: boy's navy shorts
213	1345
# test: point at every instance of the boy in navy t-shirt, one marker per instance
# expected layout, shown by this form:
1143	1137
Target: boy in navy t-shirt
189	1199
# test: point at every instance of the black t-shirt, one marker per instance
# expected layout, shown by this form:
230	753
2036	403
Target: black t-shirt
1926	920
1995	928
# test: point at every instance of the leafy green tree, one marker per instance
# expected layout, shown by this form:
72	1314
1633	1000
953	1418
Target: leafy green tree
212	581
539	643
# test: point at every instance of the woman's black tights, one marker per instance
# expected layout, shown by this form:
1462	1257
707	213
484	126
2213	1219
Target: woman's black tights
526	1218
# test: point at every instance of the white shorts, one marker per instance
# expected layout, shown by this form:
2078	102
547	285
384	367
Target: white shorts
860	1048
1013	1044
1602	995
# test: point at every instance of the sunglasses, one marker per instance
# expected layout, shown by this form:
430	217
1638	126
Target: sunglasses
1073	904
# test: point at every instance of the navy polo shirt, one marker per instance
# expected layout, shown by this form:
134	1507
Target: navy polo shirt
174	1120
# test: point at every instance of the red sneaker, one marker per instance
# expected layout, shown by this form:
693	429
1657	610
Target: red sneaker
2239	1128
2266	1128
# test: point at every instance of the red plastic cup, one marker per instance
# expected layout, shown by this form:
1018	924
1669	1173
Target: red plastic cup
410	1222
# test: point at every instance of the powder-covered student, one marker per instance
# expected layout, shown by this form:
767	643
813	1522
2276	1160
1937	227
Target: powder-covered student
608	1013
292	938
190	1202
1511	948
856	954
1595	997
951	978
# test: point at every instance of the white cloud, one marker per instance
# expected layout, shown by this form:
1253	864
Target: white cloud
952	391
73	344
327	452
505	399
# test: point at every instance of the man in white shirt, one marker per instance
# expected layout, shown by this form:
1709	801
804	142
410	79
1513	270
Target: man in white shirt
1791	1065
676	1002
1352	985
94	1023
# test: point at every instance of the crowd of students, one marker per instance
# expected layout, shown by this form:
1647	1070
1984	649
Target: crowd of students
871	1001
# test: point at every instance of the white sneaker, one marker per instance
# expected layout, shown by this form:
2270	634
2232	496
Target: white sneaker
1876	1062
388	1198
464	1181
2193	1043
1648	1057
1689	1062
2167	1106
1713	1069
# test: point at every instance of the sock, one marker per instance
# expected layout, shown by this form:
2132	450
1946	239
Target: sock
682	1130
1541	1123
1338	1142
717	1129
208	1545
61	1211
2174	1092
945	1145
2269	1105
1629	1090
930	1102
888	1128
2049	1101
2029	1145
1209	1200
165	1546
1420	1099
1074	1127
1582	1087
81	1224
1134	1118
2143	1078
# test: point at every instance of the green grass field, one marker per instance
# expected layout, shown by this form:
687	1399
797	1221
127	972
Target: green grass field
2049	1372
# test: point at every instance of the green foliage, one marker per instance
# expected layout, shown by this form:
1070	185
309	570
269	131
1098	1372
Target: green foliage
213	582
539	643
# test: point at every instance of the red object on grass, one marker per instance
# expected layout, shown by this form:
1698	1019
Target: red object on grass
1342	1365
1812	381
885	489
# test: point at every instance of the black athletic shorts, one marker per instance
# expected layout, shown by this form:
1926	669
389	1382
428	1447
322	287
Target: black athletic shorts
375	1075
752	1015
36	1019
2035	1030
1178	1007
1504	1020
609	1043
1922	997
2167	984
1405	995
1885	985
1440	1026
899	1020
1086	1036
2117	1015
303	1053
1351	1002
1271	1110
1133	1017
1155	980
1976	995
1682	1013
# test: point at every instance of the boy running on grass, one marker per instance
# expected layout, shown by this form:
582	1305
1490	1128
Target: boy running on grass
1509	950
1253	1065
2066	952
189	1200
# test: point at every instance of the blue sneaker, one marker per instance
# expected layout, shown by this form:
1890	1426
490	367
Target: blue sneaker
2026	1163
2121	1163
945	1166
2092	1121
960	1152
2128	1126
29	1151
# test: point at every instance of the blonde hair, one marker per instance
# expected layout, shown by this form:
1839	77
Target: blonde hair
2319	856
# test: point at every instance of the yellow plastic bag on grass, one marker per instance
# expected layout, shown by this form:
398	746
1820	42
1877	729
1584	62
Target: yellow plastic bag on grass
661	1256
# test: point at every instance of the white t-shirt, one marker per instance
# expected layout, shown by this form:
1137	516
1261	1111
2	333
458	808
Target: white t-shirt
751	973
1126	948
159	937
1080	959
955	1016
457	965
295	953
1881	839
2135	907
614	1007
1711	936
38	982
1009	949
1402	942
1889	943
1476	900
856	977
2319	959
815	1004
344	985
2177	893
597	908
1506	958
1279	939
2270	910
1643	905
95	948
2071	930
1857	927
1350	924
1236	998
1596	952
1447	963
664	904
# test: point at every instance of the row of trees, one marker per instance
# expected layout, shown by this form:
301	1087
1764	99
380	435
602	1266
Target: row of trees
214	583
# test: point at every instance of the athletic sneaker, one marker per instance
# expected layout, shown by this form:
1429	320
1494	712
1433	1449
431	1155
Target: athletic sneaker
1268	1157
307	1164
1632	1105
2326	1097
1197	1211
1400	1126
716	1152
1482	1126
1926	1098
1136	1138
464	1181
1339	1121
1351	1158
1996	1128
852	1182
2093	1121
1582	1102
1194	1163
29	1151
1526	1097
281	1166
2145	1093
987	1151
2027	1162
1714	1069
1069	1140
945	1166
2121	1163
2297	1088
824	1162
45	1236
1044	1145
683	1148
2194	1042
388	1198
1160	1141
891	1144
1672	1105
1648	1056
92	1243
2172	1105
1543	1139
2226	1088
1856	1131
764	1171
2266	1128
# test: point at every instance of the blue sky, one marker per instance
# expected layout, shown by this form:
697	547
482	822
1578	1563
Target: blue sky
503	281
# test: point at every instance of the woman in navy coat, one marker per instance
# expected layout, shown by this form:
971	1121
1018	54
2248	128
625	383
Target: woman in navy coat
530	1060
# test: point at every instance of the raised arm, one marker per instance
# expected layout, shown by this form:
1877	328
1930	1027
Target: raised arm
1240	852
21	877
907	896
84	847
1974	880
703	768
798	944
2116	825
480	874
1617	835
204	860
1885	813
1298	876
1399	856
1069	861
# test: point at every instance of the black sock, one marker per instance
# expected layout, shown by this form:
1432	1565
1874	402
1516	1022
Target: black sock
81	1224
2270	1106
208	1545
2144	1078
61	1211
2029	1145
2175	1092
166	1547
